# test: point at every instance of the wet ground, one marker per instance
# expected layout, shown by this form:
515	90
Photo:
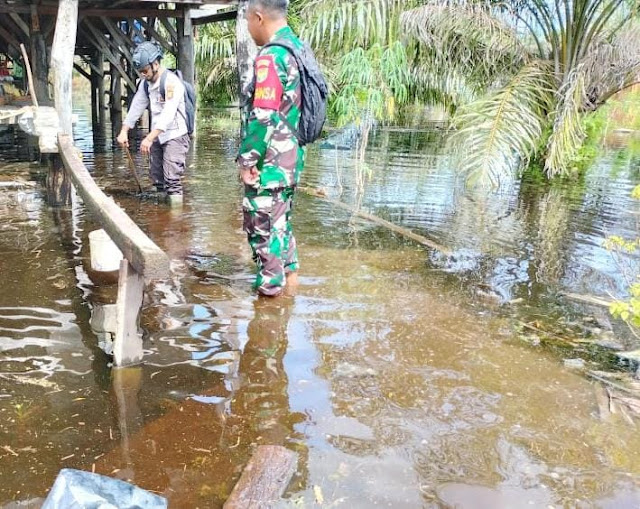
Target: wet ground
397	374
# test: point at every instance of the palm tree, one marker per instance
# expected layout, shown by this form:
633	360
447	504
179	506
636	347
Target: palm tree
216	62
542	64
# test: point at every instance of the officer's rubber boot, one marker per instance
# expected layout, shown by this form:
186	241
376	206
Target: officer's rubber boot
175	200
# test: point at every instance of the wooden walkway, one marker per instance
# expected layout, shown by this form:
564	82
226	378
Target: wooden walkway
43	120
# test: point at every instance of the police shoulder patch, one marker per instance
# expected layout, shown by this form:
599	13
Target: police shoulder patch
169	91
269	89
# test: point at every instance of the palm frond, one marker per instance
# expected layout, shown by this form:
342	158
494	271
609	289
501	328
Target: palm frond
371	84
467	37
498	134
333	25
568	131
612	64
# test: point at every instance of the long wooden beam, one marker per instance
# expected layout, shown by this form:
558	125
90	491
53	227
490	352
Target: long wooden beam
109	13
97	40
170	30
81	71
120	41
20	22
9	38
213	18
143	254
152	31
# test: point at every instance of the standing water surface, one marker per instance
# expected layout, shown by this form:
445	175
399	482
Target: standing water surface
395	385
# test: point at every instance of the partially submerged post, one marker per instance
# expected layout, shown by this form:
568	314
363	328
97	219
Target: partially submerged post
62	53
143	261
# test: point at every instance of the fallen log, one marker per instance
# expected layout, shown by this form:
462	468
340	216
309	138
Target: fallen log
264	479
378	220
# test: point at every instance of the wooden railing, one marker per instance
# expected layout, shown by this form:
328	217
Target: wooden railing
143	260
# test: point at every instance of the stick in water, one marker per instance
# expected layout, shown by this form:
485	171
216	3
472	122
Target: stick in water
132	167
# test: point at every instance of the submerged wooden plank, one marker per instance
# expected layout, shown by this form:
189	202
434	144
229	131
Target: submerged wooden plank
144	255
264	479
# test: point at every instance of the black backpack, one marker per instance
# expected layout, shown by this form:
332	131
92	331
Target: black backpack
189	98
314	92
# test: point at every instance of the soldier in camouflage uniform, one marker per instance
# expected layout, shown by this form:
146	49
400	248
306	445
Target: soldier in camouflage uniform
271	158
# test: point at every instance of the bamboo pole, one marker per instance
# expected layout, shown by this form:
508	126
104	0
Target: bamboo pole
27	65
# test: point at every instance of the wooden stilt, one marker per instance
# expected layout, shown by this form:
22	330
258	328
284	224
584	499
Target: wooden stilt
62	52
186	58
39	60
102	116
127	344
58	183
94	96
116	101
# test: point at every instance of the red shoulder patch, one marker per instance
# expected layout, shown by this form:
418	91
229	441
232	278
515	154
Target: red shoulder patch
269	89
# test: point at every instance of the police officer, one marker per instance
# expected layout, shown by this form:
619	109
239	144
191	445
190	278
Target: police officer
168	141
270	158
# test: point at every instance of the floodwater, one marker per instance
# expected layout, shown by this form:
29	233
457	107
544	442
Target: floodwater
397	374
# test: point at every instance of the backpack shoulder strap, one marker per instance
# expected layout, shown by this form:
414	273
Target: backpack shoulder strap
284	43
163	81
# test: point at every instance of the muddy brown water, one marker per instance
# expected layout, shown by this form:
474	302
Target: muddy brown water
388	374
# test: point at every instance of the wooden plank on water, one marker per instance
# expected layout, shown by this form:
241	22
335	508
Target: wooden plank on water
264	479
144	255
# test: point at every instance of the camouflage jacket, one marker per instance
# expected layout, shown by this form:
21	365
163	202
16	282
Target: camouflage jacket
268	141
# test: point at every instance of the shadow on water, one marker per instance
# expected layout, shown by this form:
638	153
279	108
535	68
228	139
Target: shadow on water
394	373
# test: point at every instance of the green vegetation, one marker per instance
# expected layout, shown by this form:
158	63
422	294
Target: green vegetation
520	77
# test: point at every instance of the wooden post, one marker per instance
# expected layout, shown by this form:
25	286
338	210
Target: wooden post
246	51
186	55
62	52
116	101
58	183
94	96
39	60
127	343
102	115
98	112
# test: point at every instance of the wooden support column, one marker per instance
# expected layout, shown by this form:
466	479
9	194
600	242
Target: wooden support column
62	52
186	54
127	344
58	183
97	89
39	60
94	99
246	51
116	101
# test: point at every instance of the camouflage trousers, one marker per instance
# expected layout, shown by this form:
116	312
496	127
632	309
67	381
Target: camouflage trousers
267	222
